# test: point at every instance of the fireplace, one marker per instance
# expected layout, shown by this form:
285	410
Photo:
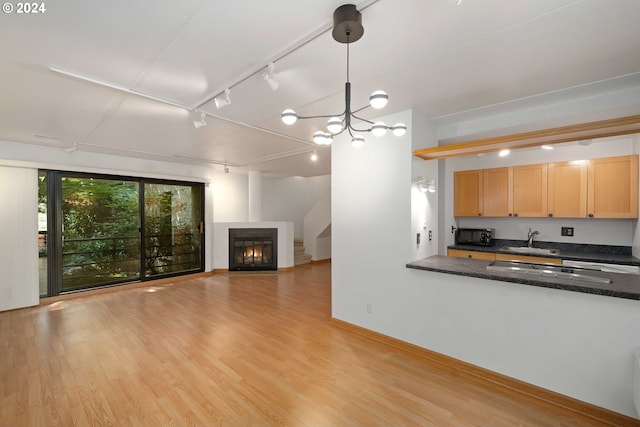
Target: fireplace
253	249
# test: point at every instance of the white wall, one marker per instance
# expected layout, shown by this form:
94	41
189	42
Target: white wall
550	338
230	197
317	229
18	237
424	206
290	199
283	199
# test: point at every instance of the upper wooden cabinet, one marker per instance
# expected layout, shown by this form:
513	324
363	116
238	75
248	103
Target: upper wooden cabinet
613	187
497	192
530	190
567	189
483	192
597	188
467	193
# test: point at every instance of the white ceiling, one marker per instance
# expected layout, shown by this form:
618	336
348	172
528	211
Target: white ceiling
443	60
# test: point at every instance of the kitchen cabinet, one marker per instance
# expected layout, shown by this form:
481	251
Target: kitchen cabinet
497	192
527	258
596	188
567	189
467	193
530	190
483	192
612	185
489	256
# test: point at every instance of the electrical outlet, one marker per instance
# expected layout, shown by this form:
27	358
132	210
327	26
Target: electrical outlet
566	231
418	238
430	235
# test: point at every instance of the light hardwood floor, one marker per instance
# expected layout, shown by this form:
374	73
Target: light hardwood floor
232	350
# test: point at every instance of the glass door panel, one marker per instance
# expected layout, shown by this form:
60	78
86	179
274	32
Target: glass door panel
100	232
173	228
43	266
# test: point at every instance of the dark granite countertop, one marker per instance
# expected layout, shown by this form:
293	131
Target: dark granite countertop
621	286
577	252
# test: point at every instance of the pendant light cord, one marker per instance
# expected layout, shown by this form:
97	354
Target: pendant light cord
348	56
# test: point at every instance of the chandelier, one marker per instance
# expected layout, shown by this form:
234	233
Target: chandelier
347	28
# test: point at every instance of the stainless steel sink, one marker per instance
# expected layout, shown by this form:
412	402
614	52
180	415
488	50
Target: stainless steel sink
549	270
530	251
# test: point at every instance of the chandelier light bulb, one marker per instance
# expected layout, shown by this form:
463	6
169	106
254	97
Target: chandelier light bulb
334	125
399	129
289	116
378	99
357	141
314	156
322	138
378	129
318	137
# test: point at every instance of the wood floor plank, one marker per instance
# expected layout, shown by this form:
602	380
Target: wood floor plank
234	350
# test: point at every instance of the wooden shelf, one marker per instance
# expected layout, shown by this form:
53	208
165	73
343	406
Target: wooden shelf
591	130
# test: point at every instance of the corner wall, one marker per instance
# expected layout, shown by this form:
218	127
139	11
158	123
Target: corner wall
18	237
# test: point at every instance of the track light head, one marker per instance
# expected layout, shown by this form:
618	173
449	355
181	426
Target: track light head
270	79
225	101
200	123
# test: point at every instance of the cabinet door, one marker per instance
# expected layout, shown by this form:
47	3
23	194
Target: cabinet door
489	256
497	192
530	190
567	187
467	193
613	187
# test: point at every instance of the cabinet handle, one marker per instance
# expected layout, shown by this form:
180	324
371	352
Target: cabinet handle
550	215
590	215
479	213
510	214
469	256
515	214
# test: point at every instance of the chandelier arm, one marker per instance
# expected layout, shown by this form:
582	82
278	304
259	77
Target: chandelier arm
363	120
360	109
351	128
335	134
319	117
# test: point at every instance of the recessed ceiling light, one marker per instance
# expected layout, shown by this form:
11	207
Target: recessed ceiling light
503	153
547	147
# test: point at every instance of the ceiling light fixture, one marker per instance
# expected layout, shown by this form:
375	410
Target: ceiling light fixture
223	102
199	123
314	156
270	79
504	153
547	147
347	28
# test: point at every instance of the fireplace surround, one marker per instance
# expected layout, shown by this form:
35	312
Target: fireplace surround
253	249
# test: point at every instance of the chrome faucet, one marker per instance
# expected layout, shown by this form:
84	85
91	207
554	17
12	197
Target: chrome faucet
530	237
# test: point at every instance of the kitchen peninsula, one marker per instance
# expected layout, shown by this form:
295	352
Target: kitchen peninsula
621	285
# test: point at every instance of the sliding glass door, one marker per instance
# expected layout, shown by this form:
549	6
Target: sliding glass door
100	231
103	230
173	228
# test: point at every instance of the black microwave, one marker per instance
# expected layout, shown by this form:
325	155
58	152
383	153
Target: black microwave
474	236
